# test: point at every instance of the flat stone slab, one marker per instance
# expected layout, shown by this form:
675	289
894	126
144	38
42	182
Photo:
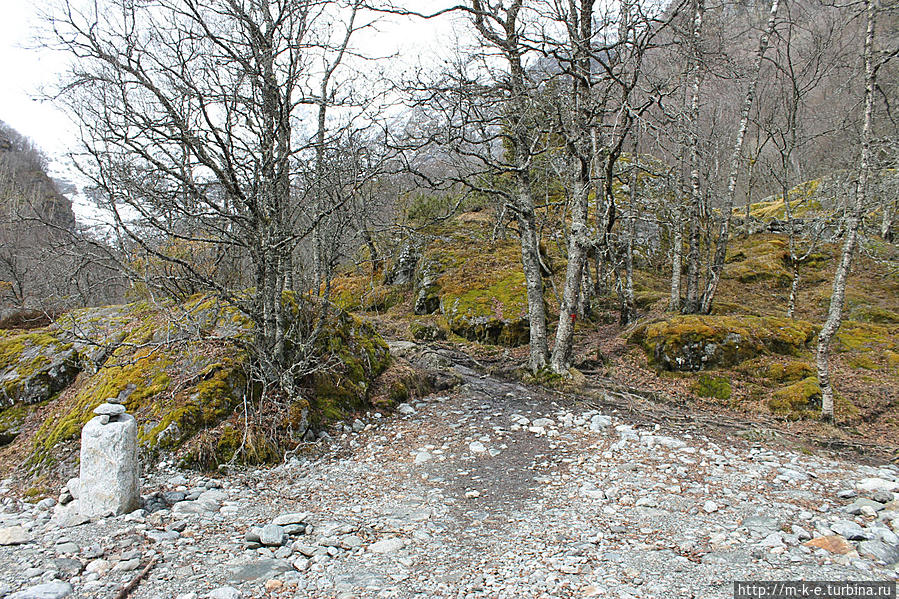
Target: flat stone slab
109	409
50	590
879	551
263	569
761	525
294	518
387	546
14	535
850	530
855	508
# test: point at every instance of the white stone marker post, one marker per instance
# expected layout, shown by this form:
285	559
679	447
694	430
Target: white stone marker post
110	471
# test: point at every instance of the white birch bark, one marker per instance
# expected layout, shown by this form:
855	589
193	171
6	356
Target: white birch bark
835	312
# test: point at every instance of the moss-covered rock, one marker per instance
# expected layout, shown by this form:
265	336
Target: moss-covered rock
34	366
693	343
799	400
364	293
482	291
426	331
717	387
874	314
759	258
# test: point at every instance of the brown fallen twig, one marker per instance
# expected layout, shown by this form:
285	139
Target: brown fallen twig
126	590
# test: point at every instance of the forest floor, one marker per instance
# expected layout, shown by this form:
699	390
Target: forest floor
496	489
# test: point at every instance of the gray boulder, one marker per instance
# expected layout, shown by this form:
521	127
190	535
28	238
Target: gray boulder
110	471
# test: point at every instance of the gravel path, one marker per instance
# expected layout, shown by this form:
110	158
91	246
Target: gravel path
492	491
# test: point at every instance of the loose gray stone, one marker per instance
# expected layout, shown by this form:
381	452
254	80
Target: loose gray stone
110	471
224	593
272	535
67	547
70	566
13	535
387	546
294	518
710	507
761	525
476	447
50	590
879	551
855	508
73	486
882	496
350	542
405	409
252	535
109	409
45	504
849	530
259	570
127	565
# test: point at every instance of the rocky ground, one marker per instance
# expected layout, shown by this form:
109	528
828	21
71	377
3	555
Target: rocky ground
494	490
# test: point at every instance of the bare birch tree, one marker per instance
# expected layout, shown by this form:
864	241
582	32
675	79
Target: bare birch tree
189	112
853	224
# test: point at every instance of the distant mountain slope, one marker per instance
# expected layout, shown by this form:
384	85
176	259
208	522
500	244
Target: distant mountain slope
23	178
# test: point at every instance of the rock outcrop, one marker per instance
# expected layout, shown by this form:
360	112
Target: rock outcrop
183	389
693	343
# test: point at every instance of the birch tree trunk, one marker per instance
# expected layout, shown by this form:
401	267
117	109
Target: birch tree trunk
727	208
580	147
691	302
835	312
677	259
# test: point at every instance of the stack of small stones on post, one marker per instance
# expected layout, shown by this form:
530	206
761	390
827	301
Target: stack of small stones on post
110	471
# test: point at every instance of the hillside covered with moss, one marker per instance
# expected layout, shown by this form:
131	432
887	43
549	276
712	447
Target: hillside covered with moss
746	357
182	370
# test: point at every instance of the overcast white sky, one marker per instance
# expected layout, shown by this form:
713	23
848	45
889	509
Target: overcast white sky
26	70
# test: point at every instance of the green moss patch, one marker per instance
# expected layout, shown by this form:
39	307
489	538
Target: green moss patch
799	400
356	292
865	337
183	393
803	202
759	258
717	387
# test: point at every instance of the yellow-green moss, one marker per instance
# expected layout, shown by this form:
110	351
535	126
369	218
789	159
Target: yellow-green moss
892	358
875	314
802	203
359	355
759	258
790	371
864	337
354	292
426	331
799	400
701	342
863	362
717	387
